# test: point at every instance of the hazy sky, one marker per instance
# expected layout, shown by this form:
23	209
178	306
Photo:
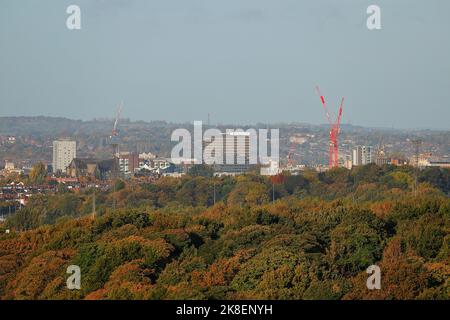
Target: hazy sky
243	61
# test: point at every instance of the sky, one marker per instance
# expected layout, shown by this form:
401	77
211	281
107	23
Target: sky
241	61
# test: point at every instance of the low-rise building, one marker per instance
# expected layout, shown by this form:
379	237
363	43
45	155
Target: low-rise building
398	162
440	164
10	169
348	163
158	166
99	169
272	169
381	158
128	163
9	165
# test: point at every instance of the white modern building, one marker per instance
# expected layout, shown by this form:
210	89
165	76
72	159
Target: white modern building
231	148
230	153
270	170
363	155
64	151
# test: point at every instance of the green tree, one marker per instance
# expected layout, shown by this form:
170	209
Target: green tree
201	170
38	173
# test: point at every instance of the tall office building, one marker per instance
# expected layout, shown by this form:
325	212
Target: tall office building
237	148
228	149
64	151
230	153
362	155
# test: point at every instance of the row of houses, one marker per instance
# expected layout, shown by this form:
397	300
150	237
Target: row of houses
16	194
125	165
363	155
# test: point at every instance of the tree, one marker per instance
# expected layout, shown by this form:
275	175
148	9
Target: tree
119	185
293	184
439	178
403	276
249	193
201	170
38	173
162	242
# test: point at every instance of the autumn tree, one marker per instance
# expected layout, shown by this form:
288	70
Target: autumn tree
38	173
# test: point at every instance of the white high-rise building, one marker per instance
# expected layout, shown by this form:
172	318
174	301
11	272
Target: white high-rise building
228	149
363	155
64	151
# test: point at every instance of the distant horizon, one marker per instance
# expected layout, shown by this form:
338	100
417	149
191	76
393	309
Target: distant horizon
253	61
212	123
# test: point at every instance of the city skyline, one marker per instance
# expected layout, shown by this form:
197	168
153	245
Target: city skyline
242	63
224	156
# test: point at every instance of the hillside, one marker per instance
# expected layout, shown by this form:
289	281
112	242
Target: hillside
167	240
35	135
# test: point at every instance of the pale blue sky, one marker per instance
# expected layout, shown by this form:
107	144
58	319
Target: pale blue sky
243	61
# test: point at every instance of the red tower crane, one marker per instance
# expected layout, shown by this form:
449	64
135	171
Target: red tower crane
335	128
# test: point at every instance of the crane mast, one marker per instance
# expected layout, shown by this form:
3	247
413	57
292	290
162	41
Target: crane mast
114	132
114	140
335	128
